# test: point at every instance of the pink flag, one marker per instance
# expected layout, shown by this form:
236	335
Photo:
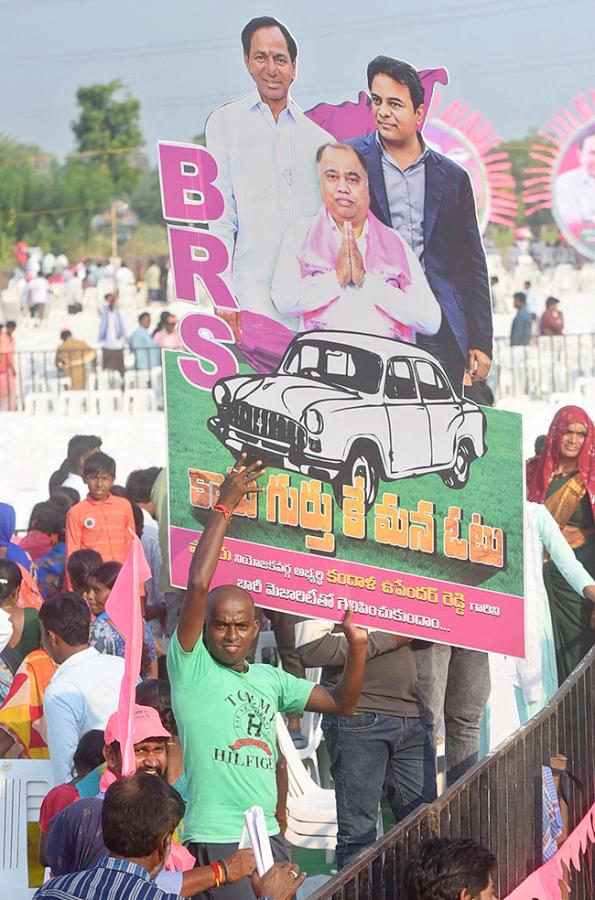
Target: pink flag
124	609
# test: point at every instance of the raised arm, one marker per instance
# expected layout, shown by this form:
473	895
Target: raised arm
342	699
332	649
239	482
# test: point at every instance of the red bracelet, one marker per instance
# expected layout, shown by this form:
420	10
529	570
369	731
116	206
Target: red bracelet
220	507
217	873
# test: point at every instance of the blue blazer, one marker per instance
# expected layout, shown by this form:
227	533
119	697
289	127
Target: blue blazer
454	257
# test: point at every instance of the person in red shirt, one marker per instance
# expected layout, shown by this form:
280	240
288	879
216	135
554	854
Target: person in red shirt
101	522
552	321
88	756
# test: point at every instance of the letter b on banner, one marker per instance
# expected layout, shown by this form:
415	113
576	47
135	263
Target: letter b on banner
187	173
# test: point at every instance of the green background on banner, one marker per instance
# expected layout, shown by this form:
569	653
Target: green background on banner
495	490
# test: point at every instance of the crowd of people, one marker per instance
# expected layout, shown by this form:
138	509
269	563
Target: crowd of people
39	274
205	720
529	322
75	359
203	734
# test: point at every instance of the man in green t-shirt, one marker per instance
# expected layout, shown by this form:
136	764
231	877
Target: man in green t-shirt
225	708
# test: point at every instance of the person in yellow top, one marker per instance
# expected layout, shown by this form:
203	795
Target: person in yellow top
72	357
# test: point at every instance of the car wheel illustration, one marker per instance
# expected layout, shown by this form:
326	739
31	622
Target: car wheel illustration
458	476
362	462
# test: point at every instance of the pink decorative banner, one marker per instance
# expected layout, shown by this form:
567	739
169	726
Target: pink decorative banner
387	600
124	609
544	883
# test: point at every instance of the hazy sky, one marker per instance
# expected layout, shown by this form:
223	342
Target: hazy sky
516	61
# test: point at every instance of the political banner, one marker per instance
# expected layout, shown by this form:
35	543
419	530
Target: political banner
436	555
344	263
564	178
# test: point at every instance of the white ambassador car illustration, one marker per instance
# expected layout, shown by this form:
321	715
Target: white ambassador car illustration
342	405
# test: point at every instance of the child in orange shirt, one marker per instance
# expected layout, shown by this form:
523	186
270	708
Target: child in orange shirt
102	521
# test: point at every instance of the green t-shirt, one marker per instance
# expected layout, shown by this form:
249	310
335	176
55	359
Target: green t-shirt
226	721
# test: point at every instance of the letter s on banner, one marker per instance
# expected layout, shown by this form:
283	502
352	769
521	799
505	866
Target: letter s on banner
186	175
208	266
205	335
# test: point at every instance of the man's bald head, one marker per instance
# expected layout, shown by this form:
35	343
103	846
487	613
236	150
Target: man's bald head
229	595
231	625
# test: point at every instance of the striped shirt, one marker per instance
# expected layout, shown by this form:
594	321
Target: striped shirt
110	879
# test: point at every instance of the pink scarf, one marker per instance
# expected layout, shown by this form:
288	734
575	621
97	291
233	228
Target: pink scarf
384	256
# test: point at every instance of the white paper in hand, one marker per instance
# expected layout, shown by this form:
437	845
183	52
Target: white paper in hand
259	839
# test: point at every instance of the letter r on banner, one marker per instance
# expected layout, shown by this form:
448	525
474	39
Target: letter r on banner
197	254
187	173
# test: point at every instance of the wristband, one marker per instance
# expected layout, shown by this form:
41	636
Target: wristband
218	873
222	508
225	868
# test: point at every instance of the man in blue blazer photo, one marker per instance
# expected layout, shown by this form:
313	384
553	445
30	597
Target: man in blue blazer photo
428	199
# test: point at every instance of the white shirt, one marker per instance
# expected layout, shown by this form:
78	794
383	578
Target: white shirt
76	482
112	342
73	290
542	530
82	694
5	629
268	178
574	196
48	263
124	276
37	290
356	308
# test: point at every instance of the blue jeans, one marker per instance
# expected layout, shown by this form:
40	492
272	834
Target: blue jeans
367	752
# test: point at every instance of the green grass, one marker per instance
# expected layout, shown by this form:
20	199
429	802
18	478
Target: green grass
495	490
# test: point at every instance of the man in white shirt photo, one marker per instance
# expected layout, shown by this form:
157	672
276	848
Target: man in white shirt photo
265	148
84	691
343	269
574	191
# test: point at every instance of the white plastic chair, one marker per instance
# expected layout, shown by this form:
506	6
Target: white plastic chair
107	401
139	400
60	384
105	380
585	386
311	810
73	403
23	785
40	403
266	641
137	378
311	728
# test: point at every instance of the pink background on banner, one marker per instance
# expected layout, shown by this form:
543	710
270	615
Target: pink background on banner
501	633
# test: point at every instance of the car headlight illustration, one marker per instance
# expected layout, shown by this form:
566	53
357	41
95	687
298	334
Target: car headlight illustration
221	395
313	421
